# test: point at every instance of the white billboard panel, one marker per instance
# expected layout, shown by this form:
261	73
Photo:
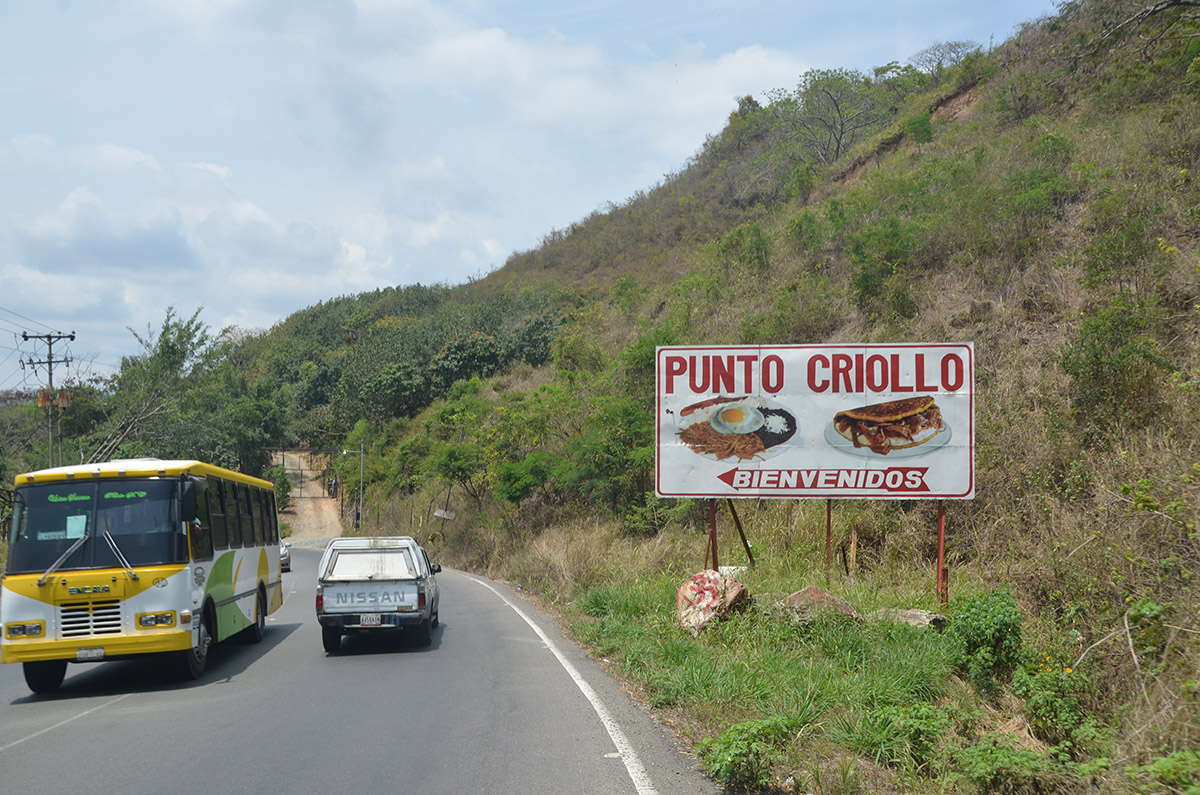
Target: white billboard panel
829	421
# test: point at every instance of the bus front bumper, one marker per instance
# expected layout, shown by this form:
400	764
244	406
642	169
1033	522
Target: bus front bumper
95	649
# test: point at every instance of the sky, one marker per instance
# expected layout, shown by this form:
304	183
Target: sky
251	158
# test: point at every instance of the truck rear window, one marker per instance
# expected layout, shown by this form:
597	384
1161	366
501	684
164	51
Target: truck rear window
371	564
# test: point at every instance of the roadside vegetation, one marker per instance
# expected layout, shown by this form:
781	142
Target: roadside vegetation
1038	199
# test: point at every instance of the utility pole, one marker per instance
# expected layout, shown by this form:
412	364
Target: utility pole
51	399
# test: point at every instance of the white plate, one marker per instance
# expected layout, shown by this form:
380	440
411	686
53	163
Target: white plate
705	414
844	445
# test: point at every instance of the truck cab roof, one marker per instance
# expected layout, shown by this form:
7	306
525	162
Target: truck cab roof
416	562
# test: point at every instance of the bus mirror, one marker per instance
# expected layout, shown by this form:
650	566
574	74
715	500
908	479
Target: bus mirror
188	501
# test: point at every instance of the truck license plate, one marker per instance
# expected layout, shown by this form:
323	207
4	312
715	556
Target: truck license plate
85	655
369	619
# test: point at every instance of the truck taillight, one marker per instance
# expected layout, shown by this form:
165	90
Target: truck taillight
320	598
421	595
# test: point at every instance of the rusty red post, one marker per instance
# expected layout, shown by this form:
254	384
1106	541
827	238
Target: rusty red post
712	533
828	538
943	587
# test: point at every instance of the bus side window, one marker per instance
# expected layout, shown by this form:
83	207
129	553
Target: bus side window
250	534
260	524
233	518
201	530
272	519
216	512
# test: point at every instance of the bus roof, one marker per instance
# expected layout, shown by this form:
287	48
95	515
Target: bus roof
137	468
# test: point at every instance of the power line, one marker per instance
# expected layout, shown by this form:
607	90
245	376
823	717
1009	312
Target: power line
29	320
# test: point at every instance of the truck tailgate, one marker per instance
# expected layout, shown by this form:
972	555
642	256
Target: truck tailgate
380	597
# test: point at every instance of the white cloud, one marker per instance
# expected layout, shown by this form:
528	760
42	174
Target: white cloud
223	173
112	157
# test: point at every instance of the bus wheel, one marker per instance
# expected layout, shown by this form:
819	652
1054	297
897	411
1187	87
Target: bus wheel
45	676
259	628
195	660
331	638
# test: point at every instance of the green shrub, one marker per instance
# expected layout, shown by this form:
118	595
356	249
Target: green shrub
882	252
907	736
743	754
804	312
516	480
1112	365
1052	699
987	633
1180	771
1121	253
920	127
807	231
656	514
920	726
748	246
995	765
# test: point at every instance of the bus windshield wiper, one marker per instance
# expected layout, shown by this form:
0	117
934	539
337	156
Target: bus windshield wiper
112	544
54	566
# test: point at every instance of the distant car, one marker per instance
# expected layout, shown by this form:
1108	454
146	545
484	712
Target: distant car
285	555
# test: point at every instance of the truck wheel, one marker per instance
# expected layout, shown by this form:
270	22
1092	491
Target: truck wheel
45	676
331	638
425	632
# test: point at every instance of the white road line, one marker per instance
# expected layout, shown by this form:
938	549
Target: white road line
641	779
4	748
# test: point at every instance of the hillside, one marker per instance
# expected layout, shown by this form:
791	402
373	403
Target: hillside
1037	200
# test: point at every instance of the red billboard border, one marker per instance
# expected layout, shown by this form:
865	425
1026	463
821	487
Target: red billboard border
967	493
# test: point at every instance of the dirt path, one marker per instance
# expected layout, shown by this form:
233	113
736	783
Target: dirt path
313	514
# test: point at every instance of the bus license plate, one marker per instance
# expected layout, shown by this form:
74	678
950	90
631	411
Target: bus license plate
369	619
86	655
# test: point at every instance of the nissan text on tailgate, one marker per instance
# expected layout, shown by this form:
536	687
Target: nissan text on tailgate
381	584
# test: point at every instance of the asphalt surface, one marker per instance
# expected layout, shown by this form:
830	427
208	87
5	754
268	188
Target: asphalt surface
499	703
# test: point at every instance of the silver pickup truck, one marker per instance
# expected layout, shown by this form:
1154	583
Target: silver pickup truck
376	585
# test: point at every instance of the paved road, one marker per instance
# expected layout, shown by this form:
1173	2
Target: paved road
500	703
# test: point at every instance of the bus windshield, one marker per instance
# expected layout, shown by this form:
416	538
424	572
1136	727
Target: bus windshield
140	515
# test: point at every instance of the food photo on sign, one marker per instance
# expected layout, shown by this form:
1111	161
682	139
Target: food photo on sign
737	428
908	427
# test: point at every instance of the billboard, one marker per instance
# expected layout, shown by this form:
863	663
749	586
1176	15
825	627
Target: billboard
886	421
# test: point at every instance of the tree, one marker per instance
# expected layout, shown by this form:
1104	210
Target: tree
935	59
400	390
1153	10
921	127
463	357
461	464
833	109
149	385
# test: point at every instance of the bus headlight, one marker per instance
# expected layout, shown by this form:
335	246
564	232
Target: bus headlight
31	629
154	620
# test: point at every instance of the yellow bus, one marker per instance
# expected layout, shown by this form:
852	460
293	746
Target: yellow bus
132	557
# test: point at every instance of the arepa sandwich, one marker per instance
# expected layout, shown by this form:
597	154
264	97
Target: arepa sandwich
894	425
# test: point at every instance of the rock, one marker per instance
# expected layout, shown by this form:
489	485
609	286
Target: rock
706	597
916	618
811	603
